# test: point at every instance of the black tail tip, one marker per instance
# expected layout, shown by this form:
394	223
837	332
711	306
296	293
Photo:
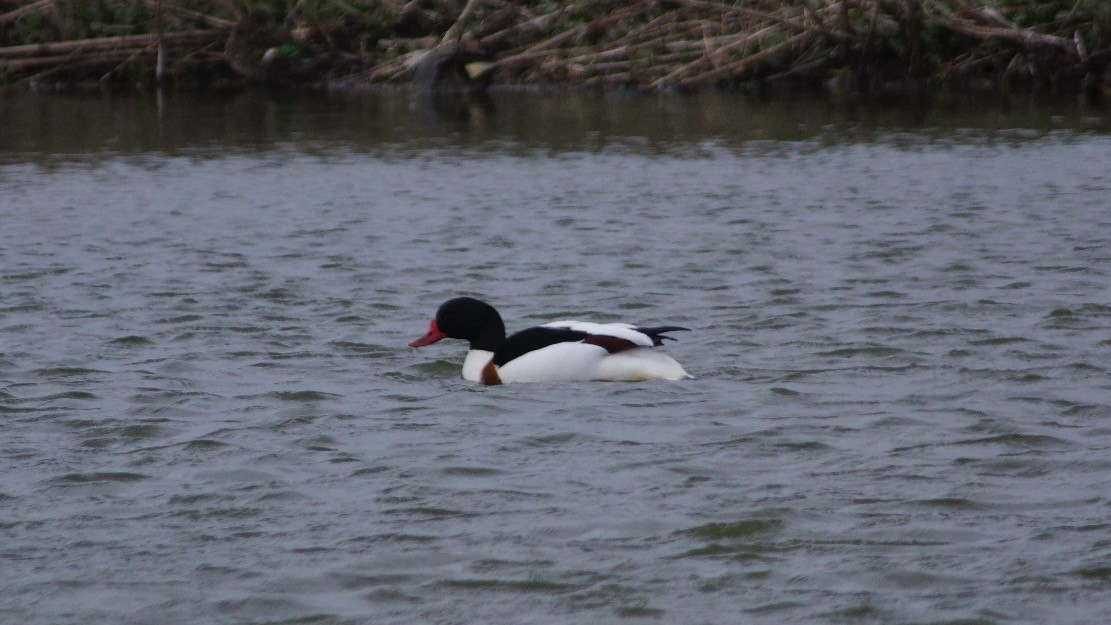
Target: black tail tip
657	334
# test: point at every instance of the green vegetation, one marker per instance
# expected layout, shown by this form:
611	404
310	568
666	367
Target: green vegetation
1061	45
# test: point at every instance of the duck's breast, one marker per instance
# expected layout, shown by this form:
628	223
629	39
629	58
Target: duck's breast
474	363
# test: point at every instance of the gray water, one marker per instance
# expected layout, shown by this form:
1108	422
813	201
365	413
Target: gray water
901	343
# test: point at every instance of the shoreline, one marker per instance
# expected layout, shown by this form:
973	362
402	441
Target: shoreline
767	47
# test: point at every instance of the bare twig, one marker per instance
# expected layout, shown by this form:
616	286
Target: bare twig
1021	36
29	9
456	30
187	37
530	24
739	41
792	24
736	69
173	9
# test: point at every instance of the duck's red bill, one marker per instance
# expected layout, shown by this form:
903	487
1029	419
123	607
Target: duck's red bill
434	334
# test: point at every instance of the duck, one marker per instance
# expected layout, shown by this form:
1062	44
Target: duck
560	351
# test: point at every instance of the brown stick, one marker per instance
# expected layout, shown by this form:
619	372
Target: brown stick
407	44
653	65
1024	37
733	70
28	9
456	30
984	14
647	29
106	57
160	62
529	53
740	41
1021	36
760	15
623	45
866	49
110	43
536	22
99	61
173	9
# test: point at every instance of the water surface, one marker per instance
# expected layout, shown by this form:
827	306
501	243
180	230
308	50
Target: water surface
901	337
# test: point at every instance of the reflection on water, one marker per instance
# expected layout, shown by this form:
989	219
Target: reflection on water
91	122
208	412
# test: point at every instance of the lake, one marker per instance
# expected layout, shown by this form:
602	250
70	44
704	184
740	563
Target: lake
900	340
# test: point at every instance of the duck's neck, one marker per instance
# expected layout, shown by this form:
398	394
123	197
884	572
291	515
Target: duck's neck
491	337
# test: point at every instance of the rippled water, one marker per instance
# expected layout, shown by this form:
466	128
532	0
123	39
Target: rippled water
901	342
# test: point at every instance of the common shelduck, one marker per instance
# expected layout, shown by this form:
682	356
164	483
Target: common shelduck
553	352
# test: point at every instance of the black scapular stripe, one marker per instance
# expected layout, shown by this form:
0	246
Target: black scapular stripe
539	337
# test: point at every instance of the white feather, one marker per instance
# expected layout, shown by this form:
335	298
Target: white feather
565	362
620	330
556	363
637	365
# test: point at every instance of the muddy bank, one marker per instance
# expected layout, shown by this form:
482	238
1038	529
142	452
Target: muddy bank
658	45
